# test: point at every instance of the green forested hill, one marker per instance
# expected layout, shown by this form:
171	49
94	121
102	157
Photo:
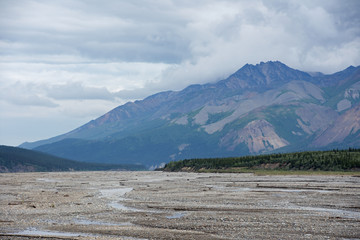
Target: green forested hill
335	160
14	159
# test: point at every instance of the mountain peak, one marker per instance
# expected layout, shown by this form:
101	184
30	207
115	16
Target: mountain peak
276	64
264	75
272	63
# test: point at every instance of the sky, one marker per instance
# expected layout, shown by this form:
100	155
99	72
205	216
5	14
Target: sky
66	62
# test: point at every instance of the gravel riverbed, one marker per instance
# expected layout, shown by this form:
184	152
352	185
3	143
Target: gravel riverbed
162	205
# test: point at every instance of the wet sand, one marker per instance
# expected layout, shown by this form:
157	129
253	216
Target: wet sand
160	205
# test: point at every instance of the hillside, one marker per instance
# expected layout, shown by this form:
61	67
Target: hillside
263	108
13	159
335	160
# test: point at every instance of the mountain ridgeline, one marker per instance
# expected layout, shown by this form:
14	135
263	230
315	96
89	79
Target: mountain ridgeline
263	108
14	159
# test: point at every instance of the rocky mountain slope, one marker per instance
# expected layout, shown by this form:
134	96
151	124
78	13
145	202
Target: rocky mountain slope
261	108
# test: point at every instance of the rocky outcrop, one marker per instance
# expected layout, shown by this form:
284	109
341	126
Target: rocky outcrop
346	125
258	135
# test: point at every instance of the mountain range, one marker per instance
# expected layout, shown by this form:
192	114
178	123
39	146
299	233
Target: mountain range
263	108
15	159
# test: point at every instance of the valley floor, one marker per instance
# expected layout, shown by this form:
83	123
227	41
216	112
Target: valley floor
162	205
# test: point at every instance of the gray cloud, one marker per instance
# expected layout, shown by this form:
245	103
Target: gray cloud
307	35
25	95
177	32
31	100
62	55
115	30
45	95
138	93
76	90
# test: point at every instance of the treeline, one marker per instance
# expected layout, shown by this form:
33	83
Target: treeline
334	160
14	159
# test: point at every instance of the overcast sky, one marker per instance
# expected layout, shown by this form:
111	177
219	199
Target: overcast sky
66	62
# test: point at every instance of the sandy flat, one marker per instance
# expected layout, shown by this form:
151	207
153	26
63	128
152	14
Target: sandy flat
159	205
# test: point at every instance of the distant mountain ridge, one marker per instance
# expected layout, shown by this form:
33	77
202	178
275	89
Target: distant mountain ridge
259	109
14	159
